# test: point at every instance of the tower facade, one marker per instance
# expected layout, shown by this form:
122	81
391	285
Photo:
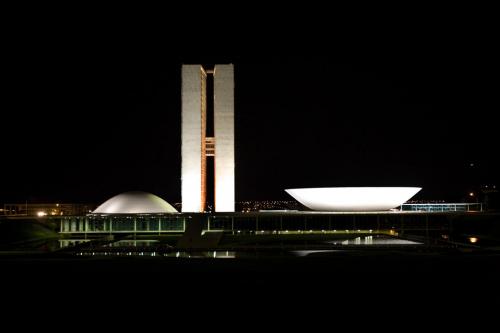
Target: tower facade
197	146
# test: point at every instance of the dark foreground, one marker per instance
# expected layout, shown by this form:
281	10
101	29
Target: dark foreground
362	289
419	283
402	272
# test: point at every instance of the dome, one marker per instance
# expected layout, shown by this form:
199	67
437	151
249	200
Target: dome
135	203
353	199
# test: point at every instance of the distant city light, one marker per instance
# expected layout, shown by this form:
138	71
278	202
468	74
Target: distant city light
471	194
41	213
473	240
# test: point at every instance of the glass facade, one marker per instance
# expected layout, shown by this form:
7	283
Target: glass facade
125	224
411	216
443	207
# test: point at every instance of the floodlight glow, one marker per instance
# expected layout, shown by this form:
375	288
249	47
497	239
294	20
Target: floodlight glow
353	199
473	239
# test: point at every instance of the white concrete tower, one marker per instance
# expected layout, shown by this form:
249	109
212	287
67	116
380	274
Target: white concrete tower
193	138
224	137
196	146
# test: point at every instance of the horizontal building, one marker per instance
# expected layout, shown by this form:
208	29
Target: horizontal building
45	209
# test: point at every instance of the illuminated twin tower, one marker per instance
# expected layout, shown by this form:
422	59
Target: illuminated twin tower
197	146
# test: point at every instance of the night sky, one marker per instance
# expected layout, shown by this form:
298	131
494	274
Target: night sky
81	123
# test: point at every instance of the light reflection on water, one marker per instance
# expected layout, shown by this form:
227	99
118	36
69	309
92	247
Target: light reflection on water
178	254
305	253
64	243
71	242
155	248
363	241
134	243
370	240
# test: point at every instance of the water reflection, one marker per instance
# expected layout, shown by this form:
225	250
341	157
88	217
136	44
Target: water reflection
173	254
134	243
373	240
305	253
63	243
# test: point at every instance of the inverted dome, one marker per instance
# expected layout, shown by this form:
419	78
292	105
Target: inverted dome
135	203
353	199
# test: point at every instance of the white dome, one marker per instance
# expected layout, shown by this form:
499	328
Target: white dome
135	203
353	199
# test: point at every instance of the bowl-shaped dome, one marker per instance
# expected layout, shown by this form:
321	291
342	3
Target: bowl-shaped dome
135	203
353	199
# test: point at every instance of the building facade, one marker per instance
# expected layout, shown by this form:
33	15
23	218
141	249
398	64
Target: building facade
197	146
45	209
